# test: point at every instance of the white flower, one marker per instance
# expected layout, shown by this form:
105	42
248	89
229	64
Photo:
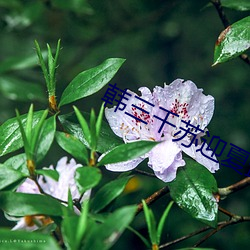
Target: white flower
58	189
184	100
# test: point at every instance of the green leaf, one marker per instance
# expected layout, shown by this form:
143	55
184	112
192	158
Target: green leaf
87	177
241	5
107	139
74	228
84	125
92	127
8	176
99	122
233	41
82	223
73	146
105	235
151	223
69	230
10	136
108	193
46	137
90	81
127	152
19	90
16	240
37	132
18	162
193	191
53	174
43	65
20	204
162	221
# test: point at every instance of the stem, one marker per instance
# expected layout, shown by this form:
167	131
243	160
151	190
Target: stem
152	198
235	220
144	173
224	192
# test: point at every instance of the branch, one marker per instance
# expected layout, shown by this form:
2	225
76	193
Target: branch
223	192
152	198
226	23
235	220
204	229
144	173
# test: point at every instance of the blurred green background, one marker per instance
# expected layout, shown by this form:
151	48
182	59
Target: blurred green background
161	41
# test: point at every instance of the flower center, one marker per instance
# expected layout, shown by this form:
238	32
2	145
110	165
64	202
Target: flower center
180	109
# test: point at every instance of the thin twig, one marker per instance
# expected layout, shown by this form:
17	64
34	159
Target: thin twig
223	192
152	198
144	173
224	211
226	23
235	220
204	229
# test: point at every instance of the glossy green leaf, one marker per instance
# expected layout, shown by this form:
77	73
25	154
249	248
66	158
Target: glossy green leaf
18	162
10	136
20	204
90	81
37	134
127	152
107	139
53	174
92	127
241	5
9	175
151	223
19	90
46	138
233	41
74	228
105	235
84	125
108	193
69	230
99	121
73	146
87	177
162	221
82	223
16	240
193	191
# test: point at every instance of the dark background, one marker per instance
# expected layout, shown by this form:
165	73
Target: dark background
161	41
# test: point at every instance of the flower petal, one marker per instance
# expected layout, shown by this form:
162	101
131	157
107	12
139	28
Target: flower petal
65	182
29	187
209	164
186	100
127	127
164	159
125	166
